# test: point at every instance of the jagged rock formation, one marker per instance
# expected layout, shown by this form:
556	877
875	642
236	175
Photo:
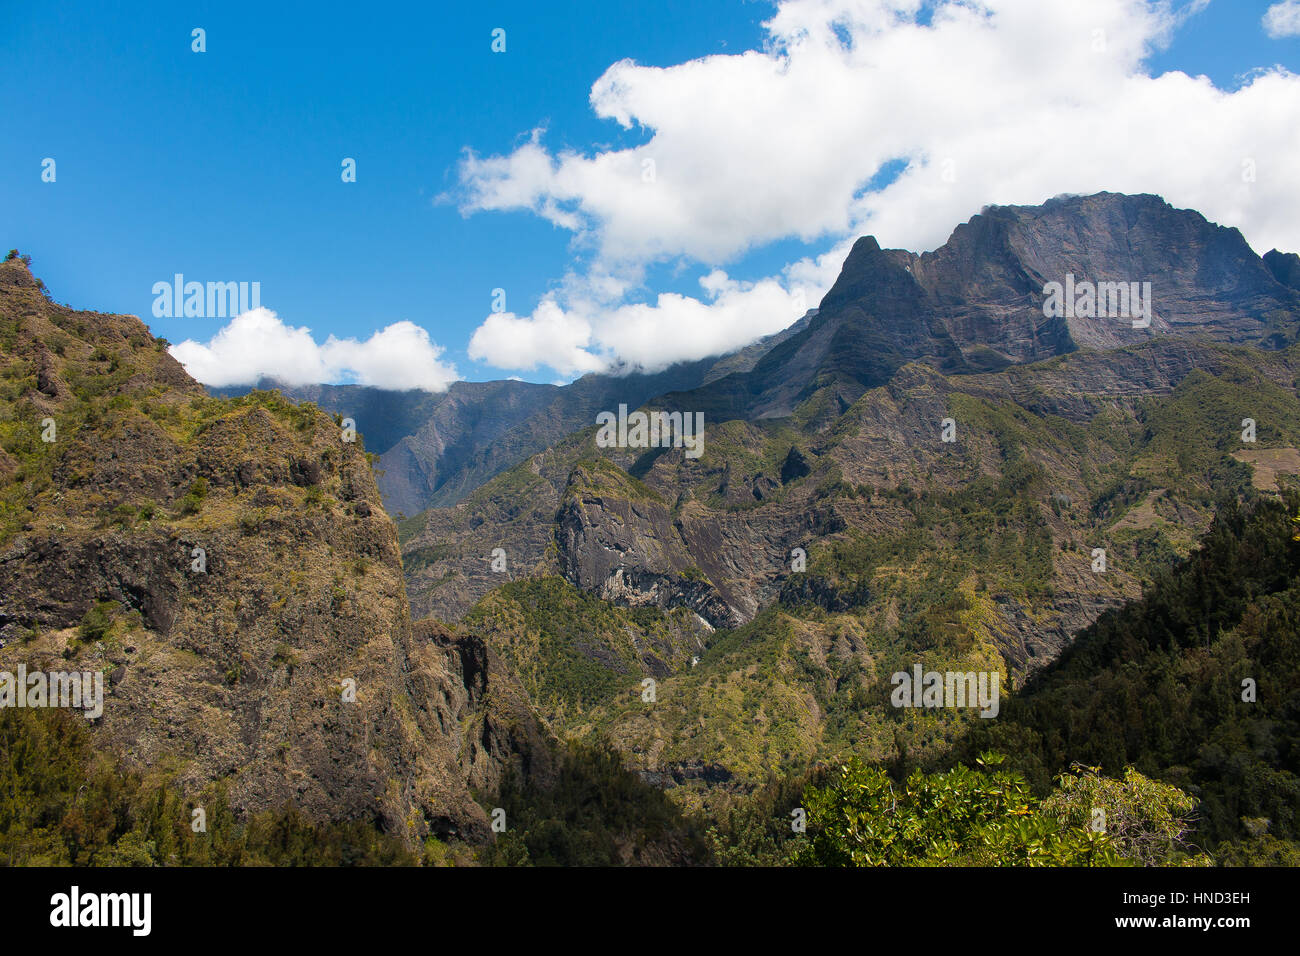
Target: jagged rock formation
617	541
229	565
976	303
1285	267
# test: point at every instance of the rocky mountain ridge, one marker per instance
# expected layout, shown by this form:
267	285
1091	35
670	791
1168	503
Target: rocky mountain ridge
436	448
990	274
975	304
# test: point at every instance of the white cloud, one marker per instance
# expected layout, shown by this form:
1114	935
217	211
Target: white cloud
1282	19
258	344
1001	101
592	331
549	336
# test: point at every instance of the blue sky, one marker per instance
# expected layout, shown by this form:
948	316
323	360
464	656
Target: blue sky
225	165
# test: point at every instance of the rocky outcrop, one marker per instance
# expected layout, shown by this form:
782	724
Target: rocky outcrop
474	701
617	542
228	564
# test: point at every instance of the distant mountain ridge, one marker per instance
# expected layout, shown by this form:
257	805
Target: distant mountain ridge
436	448
973	305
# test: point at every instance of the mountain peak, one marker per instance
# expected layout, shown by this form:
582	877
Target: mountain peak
1285	267
16	273
1132	267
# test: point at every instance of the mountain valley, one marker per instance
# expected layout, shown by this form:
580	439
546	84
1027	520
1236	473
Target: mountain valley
925	470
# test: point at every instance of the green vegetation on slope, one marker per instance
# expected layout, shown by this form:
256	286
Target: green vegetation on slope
1196	684
573	651
64	804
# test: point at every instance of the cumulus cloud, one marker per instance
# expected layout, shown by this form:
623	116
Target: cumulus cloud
259	344
591	331
1283	19
549	336
1000	101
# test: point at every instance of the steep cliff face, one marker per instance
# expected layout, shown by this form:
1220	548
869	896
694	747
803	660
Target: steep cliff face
616	538
468	696
228	566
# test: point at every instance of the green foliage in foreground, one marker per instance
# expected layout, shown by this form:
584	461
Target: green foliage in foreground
1194	684
990	817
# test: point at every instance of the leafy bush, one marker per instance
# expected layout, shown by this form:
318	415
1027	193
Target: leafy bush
1146	820
193	500
97	623
963	817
